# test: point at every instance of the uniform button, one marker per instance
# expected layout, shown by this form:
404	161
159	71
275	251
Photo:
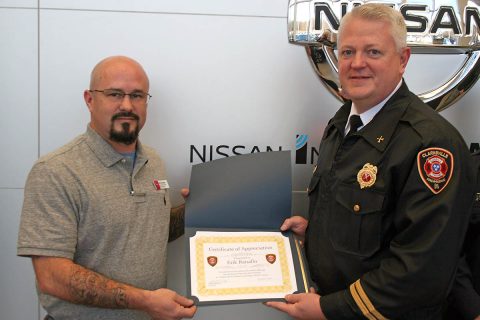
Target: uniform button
308	190
356	208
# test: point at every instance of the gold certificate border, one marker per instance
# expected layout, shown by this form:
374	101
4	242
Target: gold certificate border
200	259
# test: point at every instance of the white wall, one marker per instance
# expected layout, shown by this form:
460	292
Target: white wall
222	73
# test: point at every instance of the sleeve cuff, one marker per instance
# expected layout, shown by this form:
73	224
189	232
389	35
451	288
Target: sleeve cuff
335	306
352	303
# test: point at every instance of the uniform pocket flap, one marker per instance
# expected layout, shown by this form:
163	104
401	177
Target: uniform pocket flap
359	201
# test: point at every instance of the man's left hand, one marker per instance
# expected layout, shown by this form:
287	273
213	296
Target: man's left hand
185	192
302	306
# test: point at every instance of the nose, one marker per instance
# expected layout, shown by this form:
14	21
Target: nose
126	104
358	60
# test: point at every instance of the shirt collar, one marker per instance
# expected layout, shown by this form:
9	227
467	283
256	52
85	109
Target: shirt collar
105	152
368	115
379	132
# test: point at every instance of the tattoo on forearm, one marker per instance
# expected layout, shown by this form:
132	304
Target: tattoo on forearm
177	222
90	288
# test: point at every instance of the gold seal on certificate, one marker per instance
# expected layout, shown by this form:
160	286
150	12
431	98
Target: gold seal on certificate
241	266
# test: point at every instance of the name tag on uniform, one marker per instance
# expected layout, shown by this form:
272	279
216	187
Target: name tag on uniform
160	184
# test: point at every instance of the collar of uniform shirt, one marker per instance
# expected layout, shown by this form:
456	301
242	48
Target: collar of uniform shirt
368	115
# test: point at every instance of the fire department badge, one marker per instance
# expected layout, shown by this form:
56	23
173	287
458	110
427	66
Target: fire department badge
435	166
271	258
212	260
367	176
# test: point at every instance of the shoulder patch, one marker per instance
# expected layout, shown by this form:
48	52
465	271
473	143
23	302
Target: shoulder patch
435	167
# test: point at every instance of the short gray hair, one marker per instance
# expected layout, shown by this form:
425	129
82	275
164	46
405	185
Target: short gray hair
379	12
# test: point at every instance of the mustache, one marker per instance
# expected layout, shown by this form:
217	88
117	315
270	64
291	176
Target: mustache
125	115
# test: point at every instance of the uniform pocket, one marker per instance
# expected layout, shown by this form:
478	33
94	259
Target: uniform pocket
355	223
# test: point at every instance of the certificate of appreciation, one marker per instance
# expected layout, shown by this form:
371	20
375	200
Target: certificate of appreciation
241	266
234	252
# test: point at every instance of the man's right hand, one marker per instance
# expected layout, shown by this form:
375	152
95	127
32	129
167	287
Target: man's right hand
166	304
297	224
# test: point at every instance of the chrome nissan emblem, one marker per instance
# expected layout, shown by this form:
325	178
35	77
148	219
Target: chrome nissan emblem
433	27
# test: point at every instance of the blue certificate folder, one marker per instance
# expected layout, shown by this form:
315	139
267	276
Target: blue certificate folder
251	192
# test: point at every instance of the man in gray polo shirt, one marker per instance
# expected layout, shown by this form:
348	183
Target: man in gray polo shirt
97	215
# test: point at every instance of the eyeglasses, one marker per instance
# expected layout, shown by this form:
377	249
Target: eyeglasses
115	95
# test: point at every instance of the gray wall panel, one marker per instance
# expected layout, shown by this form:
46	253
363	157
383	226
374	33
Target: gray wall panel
465	115
19	92
18	299
211	7
19	3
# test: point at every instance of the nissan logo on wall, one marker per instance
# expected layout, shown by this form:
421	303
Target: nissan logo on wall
433	27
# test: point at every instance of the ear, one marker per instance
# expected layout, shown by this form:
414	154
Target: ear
88	97
404	57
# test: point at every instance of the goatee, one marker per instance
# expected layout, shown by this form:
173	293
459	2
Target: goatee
125	135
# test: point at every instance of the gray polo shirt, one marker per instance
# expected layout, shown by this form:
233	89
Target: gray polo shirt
84	203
